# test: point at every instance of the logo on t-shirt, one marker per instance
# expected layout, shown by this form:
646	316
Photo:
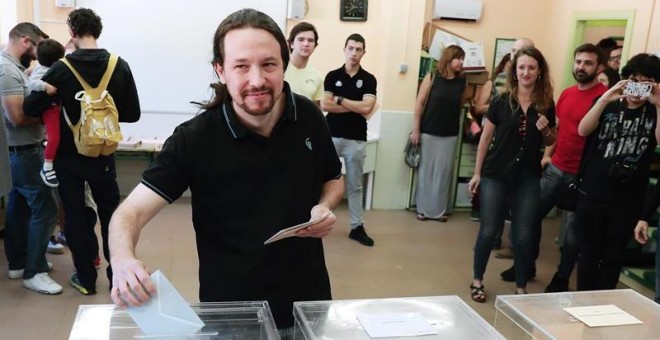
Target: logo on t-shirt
358	83
625	137
308	142
338	83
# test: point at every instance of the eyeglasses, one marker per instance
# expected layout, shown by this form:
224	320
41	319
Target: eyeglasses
522	128
614	58
30	40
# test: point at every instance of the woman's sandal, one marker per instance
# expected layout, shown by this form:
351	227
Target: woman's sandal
421	217
478	294
443	218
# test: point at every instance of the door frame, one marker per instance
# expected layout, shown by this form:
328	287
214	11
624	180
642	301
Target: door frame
580	21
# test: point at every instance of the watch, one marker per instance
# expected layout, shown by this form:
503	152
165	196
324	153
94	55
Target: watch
339	99
353	10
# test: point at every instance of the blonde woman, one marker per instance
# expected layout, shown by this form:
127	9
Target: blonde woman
436	126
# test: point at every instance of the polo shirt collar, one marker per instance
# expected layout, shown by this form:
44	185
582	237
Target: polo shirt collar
359	71
12	60
238	130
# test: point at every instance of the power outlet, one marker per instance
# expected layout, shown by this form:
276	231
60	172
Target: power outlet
65	3
403	68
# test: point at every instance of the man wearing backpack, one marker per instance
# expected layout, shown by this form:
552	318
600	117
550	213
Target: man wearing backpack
72	167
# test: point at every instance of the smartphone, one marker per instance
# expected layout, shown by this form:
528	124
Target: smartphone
639	90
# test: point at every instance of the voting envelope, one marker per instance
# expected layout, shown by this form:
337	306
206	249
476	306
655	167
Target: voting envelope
167	313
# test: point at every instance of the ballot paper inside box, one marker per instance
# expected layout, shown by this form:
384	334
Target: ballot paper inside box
223	320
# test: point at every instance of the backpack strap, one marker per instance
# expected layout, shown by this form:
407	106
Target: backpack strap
103	84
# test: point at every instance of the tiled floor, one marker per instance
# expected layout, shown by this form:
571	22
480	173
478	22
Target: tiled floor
410	258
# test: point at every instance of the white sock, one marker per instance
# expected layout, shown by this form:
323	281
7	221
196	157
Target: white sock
48	165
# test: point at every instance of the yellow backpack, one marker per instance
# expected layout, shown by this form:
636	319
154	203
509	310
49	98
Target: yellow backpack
97	131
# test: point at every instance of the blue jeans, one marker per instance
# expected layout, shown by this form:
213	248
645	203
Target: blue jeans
554	183
353	152
522	190
31	214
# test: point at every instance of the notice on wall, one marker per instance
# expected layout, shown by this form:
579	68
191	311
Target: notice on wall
475	60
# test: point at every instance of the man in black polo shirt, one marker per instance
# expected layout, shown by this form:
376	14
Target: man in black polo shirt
259	159
350	96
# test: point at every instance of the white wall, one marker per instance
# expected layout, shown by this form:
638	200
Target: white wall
8	18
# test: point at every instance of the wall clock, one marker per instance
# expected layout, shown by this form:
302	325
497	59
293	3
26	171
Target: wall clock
353	10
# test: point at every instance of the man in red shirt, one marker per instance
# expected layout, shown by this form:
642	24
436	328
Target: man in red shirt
561	160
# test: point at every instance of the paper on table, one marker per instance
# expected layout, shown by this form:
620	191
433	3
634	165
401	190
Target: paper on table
603	315
167	313
395	325
291	231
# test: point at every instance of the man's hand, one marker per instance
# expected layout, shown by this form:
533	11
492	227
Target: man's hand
654	99
615	92
641	232
545	161
131	283
323	227
50	89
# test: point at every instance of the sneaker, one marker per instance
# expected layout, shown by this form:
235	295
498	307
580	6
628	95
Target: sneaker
61	238
558	284
475	215
75	283
48	176
97	263
360	235
54	247
509	275
506	253
42	283
18	273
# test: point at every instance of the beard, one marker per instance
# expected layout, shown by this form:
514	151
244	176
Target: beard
26	60
584	77
260	110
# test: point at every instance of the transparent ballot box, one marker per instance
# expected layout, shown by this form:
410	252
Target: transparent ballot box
449	316
542	316
223	320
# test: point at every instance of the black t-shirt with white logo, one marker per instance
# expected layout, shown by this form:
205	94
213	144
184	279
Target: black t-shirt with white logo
618	154
246	187
349	125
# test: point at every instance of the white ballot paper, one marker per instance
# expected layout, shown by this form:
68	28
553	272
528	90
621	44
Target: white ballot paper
392	325
291	231
603	315
167	313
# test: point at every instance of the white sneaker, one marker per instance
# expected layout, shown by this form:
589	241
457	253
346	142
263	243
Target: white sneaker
54	247
42	283
18	273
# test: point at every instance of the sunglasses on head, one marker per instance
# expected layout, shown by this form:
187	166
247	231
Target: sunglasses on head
522	127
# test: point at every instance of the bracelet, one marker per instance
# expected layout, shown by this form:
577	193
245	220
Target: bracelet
548	133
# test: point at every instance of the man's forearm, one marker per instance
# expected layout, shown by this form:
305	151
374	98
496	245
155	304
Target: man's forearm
357	106
13	106
332	193
123	233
